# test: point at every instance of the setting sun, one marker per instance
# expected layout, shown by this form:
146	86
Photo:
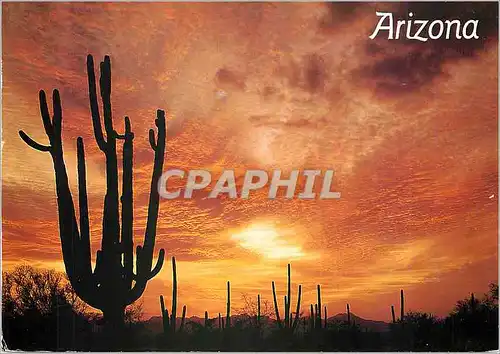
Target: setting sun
267	241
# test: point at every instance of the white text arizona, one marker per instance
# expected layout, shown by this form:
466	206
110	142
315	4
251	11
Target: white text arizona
423	30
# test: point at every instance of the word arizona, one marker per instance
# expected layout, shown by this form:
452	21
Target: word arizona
253	180
422	30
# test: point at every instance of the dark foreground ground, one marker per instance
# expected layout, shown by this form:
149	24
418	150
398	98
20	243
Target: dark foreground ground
41	312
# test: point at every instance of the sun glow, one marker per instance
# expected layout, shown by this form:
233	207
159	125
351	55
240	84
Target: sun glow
267	241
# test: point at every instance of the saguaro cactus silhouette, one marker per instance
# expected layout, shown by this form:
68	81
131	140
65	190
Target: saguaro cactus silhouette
169	322
402	306
287	322
112	284
228	306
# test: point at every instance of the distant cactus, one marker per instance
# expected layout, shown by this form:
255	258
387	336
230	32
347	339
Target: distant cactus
258	310
183	318
112	285
228	306
317	317
319	306
312	317
402	306
206	319
169	323
287	323
315	313
348	315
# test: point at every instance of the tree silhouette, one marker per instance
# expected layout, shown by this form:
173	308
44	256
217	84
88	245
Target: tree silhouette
40	310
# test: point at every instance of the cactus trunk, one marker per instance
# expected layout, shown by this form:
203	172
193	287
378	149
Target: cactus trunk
319	306
174	295
183	319
258	309
228	306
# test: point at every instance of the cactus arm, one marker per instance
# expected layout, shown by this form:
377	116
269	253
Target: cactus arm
348	315
152	141
297	311
144	272
105	86
154	197
326	317
94	107
159	264
32	143
44	113
276	309
220	321
57	117
393	314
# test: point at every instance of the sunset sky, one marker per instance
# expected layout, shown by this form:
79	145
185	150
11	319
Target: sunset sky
410	130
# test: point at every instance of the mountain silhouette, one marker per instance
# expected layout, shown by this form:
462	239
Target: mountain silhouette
154	323
371	325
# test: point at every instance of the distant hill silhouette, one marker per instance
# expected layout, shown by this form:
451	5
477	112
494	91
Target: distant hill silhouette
372	325
155	325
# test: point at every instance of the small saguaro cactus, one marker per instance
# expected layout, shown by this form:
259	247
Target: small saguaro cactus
228	306
312	317
258	309
206	319
287	322
318	312
393	314
169	323
348	315
402	315
316	318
